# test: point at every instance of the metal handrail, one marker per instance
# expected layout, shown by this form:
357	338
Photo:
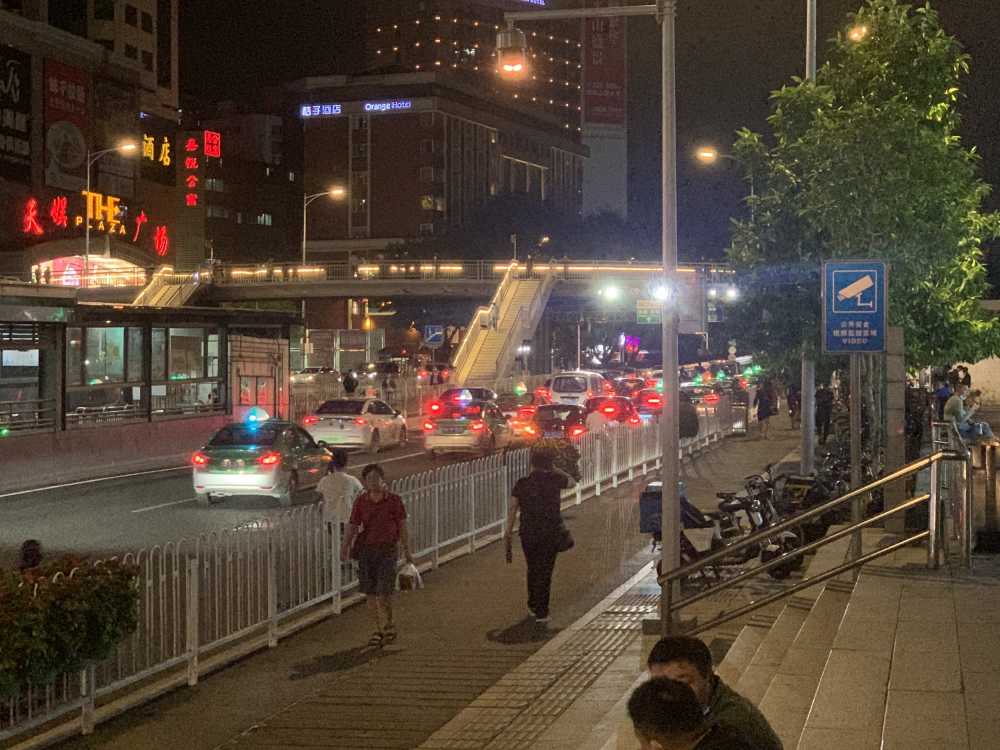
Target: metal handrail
790	523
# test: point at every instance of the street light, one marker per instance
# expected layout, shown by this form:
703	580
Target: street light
857	33
337	192
512	54
709	155
125	148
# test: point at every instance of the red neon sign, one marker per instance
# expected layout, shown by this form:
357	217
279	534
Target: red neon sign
139	221
190	162
213	144
58	211
29	222
37	220
191	145
161	241
191	199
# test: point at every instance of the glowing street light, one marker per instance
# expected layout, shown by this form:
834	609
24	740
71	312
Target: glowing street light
661	292
610	293
512	54
707	154
125	148
857	33
732	293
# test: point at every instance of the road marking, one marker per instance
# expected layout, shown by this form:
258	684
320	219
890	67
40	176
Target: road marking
91	481
375	460
164	505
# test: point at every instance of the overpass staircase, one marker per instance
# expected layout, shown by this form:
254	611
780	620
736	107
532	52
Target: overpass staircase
168	288
496	331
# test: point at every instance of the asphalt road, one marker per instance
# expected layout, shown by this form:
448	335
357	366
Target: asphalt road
130	512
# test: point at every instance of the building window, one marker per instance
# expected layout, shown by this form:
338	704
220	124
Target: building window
426	230
215	183
427	174
131	52
108	44
217	212
159	354
359	150
105	356
239	217
74	356
291	176
104	10
427	119
263	219
147	22
427	146
147	60
131	15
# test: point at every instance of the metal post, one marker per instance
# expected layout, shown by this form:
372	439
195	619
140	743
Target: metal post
810	39
579	346
88	688
967	511
193	617
807	444
932	514
272	593
338	567
857	509
669	434
989	469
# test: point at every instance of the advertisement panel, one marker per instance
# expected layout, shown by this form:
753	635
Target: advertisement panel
158	149
15	115
65	94
604	81
114	122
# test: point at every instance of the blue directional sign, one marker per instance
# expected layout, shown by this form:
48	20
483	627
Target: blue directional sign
433	336
854	306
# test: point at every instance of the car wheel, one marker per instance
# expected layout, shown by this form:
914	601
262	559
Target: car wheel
432	455
373	444
288	496
203	498
402	437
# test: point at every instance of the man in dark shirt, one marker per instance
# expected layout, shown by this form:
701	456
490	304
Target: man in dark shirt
824	410
666	715
688	660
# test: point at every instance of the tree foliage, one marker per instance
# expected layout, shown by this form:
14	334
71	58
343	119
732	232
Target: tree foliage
866	162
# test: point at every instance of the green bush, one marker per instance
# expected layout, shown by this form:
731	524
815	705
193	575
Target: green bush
565	456
51	622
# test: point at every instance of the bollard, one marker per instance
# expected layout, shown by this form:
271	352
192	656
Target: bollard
193	618
88	689
272	593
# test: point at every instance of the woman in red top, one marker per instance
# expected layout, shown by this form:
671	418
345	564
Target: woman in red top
378	526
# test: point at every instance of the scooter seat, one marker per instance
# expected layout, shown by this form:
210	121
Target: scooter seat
732	505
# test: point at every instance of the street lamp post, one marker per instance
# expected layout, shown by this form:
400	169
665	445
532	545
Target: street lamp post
512	58
127	147
336	193
710	155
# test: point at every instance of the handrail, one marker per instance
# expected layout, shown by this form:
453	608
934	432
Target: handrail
475	332
790	523
955	440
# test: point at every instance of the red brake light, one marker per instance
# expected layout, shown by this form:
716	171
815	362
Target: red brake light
634	420
609	409
435	406
651	382
199	459
306	421
428	426
527	411
476	425
577	430
711	398
360	421
654	400
542	392
530	429
270	459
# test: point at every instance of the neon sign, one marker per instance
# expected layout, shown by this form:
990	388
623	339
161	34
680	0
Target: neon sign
321	110
389	105
104	213
191	147
213	144
375	106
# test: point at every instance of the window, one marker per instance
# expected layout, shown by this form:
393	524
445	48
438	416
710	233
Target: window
147	60
359	150
239	217
104	10
215	183
187	353
147	22
427	174
291	176
263	219
212	355
131	52
427	146
105	356
426	230
159	354
136	356
131	15
217	212
74	356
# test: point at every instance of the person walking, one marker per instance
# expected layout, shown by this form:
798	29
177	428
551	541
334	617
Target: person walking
350	383
794	406
824	411
537	497
339	491
764	402
374	537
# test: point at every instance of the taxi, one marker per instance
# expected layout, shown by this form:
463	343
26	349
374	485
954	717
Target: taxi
260	457
466	427
368	423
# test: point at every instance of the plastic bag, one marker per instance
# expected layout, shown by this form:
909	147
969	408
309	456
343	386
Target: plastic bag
409	578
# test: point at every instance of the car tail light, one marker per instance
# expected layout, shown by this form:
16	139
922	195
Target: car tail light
711	398
543	392
434	407
609	409
531	429
476	425
577	430
309	420
743	383
199	459
360	422
271	458
651	382
527	411
634	420
654	401
428	426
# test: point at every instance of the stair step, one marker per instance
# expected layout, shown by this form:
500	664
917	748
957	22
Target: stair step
740	654
754	681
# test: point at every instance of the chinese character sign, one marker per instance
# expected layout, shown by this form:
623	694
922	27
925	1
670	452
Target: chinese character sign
604	81
213	144
158	150
67	125
854	306
15	115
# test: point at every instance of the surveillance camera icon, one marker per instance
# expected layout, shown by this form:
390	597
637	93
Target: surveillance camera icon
856	290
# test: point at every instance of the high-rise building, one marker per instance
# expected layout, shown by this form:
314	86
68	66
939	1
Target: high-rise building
460	36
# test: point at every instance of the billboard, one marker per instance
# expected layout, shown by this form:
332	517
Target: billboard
65	94
604	69
158	149
15	115
114	122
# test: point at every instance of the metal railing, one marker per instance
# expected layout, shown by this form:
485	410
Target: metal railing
22	416
484	320
933	535
227	593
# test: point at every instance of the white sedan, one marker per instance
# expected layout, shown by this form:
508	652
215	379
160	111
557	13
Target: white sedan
367	423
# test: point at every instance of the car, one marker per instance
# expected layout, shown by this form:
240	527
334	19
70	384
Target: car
458	396
367	423
520	413
270	458
313	375
560	421
467	426
576	387
614	409
648	402
628	387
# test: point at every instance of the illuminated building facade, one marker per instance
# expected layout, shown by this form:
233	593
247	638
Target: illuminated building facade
460	36
417	153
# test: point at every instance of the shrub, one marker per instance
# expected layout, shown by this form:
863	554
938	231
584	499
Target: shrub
564	455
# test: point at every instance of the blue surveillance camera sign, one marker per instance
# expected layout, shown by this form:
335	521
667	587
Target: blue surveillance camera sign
854	306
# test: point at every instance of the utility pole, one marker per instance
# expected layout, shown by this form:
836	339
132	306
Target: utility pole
807	444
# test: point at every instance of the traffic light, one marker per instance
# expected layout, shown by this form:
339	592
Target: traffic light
512	54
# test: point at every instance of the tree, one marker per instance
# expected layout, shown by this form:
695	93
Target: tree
866	162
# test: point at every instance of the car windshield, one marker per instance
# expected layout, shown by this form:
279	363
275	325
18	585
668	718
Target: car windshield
569	384
341	406
512	400
460	411
556	413
457	394
240	435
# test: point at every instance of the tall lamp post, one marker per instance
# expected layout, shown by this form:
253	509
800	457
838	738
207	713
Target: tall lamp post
513	64
126	147
709	155
336	193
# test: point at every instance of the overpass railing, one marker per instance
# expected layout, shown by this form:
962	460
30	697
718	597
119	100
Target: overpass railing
206	602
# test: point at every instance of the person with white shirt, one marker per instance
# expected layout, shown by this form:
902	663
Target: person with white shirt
339	490
596	422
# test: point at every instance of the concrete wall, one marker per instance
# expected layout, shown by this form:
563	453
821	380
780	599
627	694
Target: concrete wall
986	378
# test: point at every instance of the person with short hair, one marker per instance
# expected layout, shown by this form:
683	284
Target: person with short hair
689	661
956	412
666	715
30	556
378	526
338	489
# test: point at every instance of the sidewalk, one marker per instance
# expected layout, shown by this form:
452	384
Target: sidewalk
462	638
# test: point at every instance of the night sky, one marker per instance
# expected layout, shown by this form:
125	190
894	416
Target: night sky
730	55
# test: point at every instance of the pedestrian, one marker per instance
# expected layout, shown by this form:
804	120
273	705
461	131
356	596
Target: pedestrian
350	383
964	378
765	405
689	661
538	497
339	491
376	533
960	409
666	715
942	393
48	274
30	555
794	406
824	411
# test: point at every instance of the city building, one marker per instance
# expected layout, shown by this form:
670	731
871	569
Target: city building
140	35
417	153
460	36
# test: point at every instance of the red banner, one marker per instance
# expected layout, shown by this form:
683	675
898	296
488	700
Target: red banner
66	93
604	69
